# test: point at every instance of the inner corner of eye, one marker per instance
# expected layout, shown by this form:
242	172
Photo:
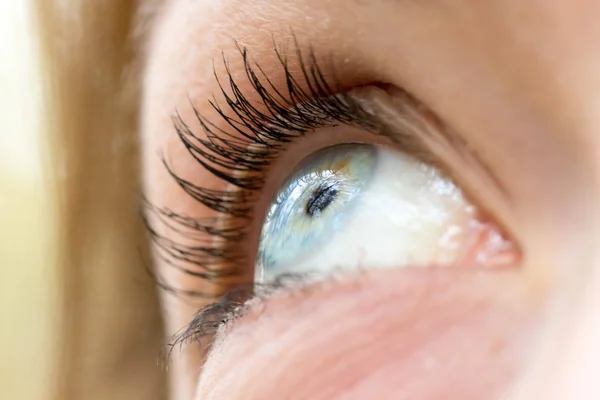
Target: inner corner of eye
357	206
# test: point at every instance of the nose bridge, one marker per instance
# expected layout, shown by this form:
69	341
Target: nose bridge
563	88
567	363
572	373
577	361
582	348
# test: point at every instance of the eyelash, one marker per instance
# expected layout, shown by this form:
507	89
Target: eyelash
240	154
229	307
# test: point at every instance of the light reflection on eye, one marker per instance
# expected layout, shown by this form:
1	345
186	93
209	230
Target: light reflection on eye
359	206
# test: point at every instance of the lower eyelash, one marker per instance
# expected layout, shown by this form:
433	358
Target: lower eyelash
239	154
233	305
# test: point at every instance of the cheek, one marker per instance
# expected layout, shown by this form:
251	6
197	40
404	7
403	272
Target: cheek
425	334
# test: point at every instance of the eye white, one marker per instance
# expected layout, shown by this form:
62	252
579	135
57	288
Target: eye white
409	214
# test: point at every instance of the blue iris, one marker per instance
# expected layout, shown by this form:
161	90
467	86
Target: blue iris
314	204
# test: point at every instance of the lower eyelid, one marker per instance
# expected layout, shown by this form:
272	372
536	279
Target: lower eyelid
395	317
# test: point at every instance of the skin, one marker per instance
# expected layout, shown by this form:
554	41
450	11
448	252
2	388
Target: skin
519	82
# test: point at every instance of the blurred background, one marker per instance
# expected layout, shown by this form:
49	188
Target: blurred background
27	304
79	316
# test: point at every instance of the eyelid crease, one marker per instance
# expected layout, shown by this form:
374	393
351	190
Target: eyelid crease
436	143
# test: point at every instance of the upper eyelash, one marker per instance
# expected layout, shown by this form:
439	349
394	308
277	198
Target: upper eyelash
239	153
262	133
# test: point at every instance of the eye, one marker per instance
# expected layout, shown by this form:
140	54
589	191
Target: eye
357	206
368	193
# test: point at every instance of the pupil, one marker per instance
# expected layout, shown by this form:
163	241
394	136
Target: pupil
321	198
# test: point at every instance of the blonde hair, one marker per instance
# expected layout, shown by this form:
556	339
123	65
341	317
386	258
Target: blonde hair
83	318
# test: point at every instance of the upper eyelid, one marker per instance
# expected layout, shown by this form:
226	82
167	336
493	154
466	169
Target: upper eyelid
284	118
422	127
